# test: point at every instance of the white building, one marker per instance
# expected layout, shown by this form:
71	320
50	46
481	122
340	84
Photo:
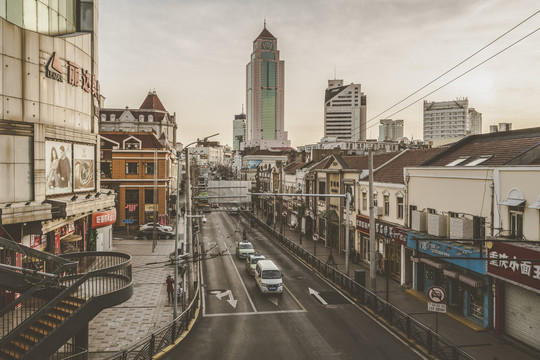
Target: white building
239	130
344	111
390	130
474	122
445	119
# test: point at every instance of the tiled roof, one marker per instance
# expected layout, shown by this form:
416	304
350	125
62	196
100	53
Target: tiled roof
296	165
152	102
148	139
393	171
157	114
265	34
361	162
503	147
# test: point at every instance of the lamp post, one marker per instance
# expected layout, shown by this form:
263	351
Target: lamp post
188	208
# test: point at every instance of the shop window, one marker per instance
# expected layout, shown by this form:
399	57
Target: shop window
132	168
400	208
322	190
476	308
386	205
149	196
106	169
149	168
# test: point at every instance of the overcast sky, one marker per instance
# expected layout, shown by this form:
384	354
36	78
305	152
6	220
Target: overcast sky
194	54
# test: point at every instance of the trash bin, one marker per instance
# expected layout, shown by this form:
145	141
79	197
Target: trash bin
360	277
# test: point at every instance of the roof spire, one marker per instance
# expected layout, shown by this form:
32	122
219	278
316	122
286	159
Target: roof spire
242	108
265	22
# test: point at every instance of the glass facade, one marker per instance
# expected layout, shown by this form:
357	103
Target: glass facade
48	17
268	123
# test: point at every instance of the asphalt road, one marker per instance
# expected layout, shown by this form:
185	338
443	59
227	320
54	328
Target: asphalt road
240	323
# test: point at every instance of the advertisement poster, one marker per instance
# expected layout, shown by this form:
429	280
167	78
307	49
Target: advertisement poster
58	158
83	168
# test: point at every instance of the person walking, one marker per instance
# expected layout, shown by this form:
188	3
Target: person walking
170	287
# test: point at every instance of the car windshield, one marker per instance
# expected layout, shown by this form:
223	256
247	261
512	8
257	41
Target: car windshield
255	260
271	274
246	246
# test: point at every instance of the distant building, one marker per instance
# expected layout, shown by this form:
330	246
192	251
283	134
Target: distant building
239	130
265	95
390	130
344	111
500	127
474	122
445	119
151	116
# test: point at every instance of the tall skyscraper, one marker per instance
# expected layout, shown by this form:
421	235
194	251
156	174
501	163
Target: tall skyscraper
344	111
390	130
265	95
239	130
445	119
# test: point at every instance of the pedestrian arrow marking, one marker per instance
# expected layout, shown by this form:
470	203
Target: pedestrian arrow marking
231	298
317	295
274	300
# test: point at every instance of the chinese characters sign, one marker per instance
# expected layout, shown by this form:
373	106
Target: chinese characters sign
104	218
76	76
385	229
512	262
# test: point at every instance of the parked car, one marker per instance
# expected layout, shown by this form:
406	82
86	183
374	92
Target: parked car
244	249
148	233
251	262
214	205
159	226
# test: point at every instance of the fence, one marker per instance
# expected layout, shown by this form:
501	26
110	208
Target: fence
408	328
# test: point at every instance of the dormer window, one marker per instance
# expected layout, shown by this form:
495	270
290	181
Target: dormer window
150	118
458	161
113	117
141	118
480	160
132	145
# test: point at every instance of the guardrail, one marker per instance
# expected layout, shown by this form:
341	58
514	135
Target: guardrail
402	324
156	342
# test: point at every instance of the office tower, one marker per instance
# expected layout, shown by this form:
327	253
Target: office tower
239	130
390	130
474	122
344	111
264	94
445	119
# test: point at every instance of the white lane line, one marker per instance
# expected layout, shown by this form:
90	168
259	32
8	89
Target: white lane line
257	313
239	277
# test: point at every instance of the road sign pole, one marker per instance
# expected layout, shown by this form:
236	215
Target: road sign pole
436	322
127	229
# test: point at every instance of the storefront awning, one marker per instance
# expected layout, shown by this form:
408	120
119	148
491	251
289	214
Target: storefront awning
450	273
435	264
475	283
512	202
71	238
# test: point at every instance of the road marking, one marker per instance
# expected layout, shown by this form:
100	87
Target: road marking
257	313
317	295
231	298
239	277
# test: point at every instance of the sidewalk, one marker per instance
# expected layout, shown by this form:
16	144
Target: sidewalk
472	338
116	328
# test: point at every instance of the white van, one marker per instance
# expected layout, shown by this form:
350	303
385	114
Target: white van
268	277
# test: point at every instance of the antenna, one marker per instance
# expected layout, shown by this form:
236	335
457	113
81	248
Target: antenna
265	22
242	108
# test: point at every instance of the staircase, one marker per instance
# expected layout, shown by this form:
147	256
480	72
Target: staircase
54	310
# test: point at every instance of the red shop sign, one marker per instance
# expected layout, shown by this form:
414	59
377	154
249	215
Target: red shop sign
385	229
104	218
516	263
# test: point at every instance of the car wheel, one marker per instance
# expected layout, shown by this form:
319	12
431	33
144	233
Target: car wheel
168	237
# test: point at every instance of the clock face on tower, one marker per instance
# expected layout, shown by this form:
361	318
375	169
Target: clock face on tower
267	45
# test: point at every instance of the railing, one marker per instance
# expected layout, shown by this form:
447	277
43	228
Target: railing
398	321
70	352
149	346
112	273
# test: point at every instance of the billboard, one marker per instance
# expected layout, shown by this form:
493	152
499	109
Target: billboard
253	164
83	168
58	156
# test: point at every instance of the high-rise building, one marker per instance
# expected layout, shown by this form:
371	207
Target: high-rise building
239	130
474	122
265	94
445	119
344	111
390	130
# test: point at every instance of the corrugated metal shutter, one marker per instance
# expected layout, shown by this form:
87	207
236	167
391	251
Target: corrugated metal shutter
522	318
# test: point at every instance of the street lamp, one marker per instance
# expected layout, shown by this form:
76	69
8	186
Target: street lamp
188	208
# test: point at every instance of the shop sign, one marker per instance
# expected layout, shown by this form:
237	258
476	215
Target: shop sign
382	228
103	218
70	227
76	76
149	207
442	249
56	243
131	207
504	263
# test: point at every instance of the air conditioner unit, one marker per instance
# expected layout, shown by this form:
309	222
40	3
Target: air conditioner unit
418	220
437	224
461	228
379	211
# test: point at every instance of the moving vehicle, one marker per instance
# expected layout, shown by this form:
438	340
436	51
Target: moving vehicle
244	249
160	233
251	262
159	226
214	205
268	277
234	211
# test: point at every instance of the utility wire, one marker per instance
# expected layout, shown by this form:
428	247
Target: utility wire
452	68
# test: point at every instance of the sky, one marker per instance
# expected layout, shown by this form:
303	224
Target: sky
193	53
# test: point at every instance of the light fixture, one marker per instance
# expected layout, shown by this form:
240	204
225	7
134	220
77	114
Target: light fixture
110	192
7	205
88	196
97	195
27	203
74	197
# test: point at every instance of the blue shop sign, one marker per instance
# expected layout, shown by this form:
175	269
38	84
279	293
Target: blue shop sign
442	249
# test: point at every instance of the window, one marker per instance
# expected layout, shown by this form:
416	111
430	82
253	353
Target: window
322	189
132	196
480	160
106	169
386	205
458	161
364	200
374	199
141	118
132	168
132	145
149	168
400	208
431	211
516	221
113	117
149	196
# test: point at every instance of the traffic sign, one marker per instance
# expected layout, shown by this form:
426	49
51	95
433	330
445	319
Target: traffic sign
440	308
315	237
436	294
127	221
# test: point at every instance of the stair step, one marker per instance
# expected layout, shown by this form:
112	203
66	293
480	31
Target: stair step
73	301
31	335
64	308
40	330
12	351
55	314
21	344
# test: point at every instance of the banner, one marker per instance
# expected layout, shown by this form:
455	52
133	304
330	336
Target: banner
104	218
83	168
58	156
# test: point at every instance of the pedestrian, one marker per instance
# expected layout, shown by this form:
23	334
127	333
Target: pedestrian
170	287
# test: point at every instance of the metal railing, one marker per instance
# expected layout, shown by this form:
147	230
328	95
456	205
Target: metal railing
402	324
156	342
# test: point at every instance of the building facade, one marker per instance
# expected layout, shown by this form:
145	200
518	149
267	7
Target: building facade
445	119
239	130
265	76
474	122
345	111
390	130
